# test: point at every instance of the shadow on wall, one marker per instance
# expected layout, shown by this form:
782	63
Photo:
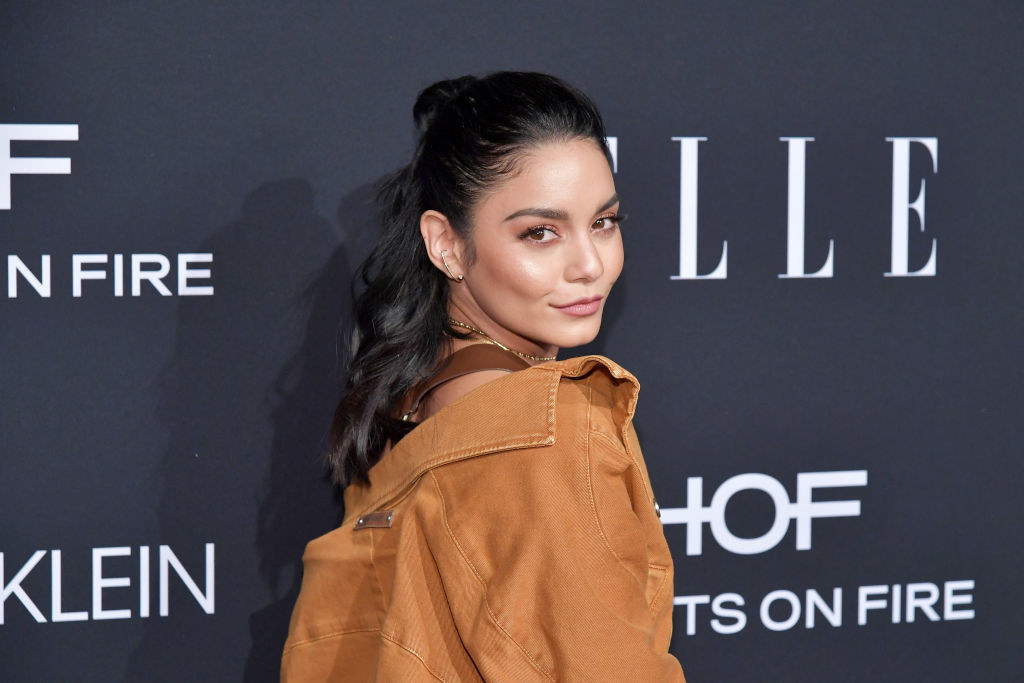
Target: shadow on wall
247	399
305	382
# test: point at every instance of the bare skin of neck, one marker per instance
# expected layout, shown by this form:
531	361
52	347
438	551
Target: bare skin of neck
460	386
462	306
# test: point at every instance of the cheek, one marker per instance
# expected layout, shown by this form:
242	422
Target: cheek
612	256
521	274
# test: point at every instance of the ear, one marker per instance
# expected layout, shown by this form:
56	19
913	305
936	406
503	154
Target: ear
439	235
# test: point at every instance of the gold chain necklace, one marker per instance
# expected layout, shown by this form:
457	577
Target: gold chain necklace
497	343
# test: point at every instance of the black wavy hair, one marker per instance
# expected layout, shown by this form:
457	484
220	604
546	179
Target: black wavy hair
472	134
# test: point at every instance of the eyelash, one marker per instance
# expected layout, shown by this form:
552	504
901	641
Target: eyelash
616	219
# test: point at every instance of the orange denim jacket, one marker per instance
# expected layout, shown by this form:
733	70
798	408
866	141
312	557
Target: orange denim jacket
511	536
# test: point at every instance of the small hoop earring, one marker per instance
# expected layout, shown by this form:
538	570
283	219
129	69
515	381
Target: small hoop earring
457	279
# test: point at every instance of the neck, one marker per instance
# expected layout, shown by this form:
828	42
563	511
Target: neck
489	332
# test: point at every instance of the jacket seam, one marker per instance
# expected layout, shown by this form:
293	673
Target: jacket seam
590	490
654	565
325	636
661	587
336	634
632	459
570	368
472	567
531	440
625	443
613	442
415	654
376	572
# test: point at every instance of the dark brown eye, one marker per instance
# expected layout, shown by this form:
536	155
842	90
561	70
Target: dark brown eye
538	234
608	222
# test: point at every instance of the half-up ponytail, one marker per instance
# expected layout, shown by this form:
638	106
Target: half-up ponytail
472	133
434	98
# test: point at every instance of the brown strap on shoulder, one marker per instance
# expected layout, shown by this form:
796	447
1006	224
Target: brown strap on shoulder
473	358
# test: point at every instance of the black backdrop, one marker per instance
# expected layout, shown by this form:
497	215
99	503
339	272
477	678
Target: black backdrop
136	430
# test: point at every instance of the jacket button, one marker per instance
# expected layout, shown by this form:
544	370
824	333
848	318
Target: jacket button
657	508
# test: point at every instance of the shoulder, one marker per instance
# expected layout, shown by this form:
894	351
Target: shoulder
568	401
521	414
590	456
594	383
600	372
583	393
455	388
604	388
580	366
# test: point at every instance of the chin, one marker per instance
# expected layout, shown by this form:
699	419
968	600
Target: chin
578	337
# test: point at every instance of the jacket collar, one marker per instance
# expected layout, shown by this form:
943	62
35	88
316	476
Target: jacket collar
457	431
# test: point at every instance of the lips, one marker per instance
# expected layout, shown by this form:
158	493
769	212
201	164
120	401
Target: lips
582	307
580	302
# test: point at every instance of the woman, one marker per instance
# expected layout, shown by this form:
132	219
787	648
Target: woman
500	523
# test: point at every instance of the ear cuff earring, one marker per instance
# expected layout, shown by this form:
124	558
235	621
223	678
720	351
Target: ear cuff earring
457	279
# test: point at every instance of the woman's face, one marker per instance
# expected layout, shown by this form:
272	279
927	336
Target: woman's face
548	250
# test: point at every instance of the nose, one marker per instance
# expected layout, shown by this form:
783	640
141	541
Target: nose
584	260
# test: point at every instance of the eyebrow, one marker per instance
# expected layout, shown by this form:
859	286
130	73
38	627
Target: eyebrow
557	214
